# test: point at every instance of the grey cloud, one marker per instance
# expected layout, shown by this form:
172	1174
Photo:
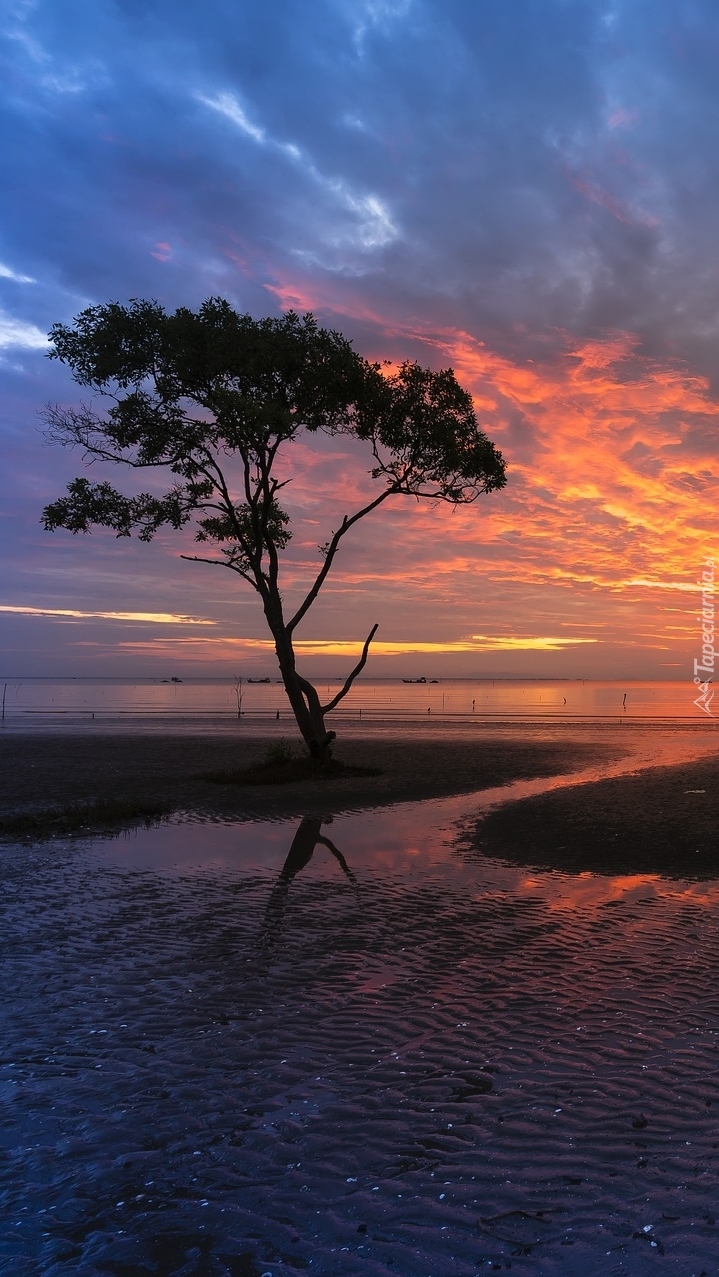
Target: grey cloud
513	169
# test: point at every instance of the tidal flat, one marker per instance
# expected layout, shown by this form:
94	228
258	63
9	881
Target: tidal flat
449	1019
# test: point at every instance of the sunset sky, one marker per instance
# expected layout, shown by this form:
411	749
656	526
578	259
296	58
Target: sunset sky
526	190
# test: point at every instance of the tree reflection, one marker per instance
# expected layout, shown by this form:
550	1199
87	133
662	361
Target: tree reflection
308	836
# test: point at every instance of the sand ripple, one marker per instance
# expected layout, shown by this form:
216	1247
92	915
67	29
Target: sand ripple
420	1076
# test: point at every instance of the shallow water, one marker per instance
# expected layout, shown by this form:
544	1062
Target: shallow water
353	1047
407	836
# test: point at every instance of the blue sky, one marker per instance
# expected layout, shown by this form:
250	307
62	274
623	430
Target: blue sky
513	188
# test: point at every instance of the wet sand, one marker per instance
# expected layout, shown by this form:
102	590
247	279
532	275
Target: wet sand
448	1071
664	820
446	1066
38	772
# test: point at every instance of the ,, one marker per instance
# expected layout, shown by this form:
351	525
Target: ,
212	397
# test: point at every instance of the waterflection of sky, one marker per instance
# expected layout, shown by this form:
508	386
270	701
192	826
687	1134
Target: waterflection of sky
526	191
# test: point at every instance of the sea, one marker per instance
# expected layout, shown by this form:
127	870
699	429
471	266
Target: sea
216	704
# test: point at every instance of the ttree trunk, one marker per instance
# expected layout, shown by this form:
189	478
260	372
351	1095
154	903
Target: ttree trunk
304	700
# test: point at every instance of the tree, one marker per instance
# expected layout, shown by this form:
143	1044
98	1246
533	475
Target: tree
212	397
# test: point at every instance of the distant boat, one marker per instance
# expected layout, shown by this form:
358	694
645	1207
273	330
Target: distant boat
415	680
175	680
259	680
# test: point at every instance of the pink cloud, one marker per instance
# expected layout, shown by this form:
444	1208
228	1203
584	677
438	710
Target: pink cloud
586	186
622	118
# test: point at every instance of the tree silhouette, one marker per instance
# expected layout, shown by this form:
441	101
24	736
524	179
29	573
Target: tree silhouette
211	397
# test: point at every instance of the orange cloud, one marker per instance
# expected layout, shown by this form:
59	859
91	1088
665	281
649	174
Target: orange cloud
613	484
601	532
